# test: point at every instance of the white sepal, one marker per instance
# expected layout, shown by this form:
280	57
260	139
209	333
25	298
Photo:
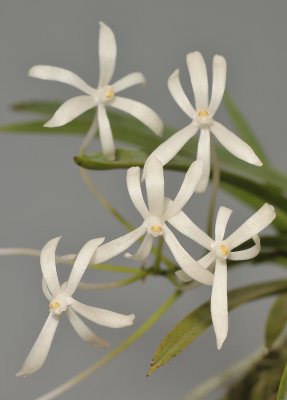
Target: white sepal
135	78
144	249
198	76
106	135
179	95
203	154
218	83
48	265
107	54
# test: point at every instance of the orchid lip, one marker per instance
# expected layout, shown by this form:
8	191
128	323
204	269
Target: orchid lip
221	250
59	304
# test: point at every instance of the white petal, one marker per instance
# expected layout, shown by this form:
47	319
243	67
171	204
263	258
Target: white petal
218	83
234	144
70	110
205	261
198	76
144	249
117	246
46	291
185	261
48	265
135	192
248	253
107	54
140	111
81	263
178	94
219	307
103	317
254	225
90	135
48	72
222	219
40	350
106	135
154	181
135	78
84	331
191	179
188	228
203	154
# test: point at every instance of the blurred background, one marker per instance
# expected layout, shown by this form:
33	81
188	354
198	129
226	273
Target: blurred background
42	195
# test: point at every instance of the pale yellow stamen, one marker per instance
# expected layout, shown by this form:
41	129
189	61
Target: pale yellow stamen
109	93
202	113
224	249
156	228
54	305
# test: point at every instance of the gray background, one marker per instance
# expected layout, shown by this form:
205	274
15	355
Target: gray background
42	195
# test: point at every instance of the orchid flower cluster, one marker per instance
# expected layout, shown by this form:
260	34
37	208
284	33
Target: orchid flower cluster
161	215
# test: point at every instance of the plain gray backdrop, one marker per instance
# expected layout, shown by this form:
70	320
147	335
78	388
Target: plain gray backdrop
42	195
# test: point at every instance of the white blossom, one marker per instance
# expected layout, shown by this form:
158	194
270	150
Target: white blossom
105	94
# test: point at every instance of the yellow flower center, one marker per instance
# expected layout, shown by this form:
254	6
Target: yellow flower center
54	305
224	250
156	228
203	113
109	93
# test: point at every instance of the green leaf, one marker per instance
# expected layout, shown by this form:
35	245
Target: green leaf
195	323
276	320
282	392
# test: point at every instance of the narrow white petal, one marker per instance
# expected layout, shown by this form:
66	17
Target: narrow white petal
188	228
154	181
185	261
203	154
107	54
234	144
70	110
219	307
135	78
198	76
248	253
140	111
135	192
90	135
222	219
48	72
48	265
81	263
84	331
103	317
178	94
191	179
106	135
117	246
254	225
40	350
206	261
46	291
144	249
218	83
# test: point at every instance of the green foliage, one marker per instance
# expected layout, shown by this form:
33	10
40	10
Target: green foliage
276	320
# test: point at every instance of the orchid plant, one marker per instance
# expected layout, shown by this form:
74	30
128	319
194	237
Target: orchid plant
258	188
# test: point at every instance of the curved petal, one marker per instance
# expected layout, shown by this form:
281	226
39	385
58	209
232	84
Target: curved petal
248	253
81	263
178	94
90	135
70	110
219	307
222	219
107	54
46	291
218	83
185	261
184	225
117	246
135	78
48	72
48	265
198	76
106	135
203	154
254	225
41	347
135	192
206	261
144	249
103	317
154	181
191	179
84	331
140	111
234	144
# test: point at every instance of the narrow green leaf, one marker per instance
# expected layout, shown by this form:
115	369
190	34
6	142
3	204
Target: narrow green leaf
282	392
195	323
276	320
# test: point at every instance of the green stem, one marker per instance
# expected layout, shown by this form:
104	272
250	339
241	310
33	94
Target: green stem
215	187
112	285
158	254
115	352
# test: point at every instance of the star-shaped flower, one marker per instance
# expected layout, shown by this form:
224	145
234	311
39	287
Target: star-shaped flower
61	300
202	115
221	250
104	95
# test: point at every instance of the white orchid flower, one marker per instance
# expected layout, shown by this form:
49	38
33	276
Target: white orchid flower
61	300
104	95
221	250
202	115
